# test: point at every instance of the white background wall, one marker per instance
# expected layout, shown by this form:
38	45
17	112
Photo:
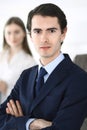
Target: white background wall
75	10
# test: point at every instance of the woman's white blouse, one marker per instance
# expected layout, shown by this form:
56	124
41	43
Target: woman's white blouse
10	71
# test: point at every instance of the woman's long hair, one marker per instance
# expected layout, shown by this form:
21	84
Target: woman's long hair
19	22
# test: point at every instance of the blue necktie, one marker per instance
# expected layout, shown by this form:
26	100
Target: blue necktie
40	79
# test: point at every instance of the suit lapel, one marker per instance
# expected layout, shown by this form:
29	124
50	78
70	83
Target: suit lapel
31	84
54	79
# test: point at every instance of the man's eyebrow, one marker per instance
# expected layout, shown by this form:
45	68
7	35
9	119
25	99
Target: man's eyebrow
53	28
35	29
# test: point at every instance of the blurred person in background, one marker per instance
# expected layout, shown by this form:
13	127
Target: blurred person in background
81	61
15	56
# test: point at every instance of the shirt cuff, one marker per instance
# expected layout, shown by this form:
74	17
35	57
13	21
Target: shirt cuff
29	122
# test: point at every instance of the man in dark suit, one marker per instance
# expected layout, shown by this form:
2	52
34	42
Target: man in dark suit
61	102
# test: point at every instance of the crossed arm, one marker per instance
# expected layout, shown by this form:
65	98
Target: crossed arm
15	109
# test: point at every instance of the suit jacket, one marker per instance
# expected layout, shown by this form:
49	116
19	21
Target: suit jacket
62	99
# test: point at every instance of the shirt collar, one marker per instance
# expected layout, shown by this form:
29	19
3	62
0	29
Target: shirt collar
52	65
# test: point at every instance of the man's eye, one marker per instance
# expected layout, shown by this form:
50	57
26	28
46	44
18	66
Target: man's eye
37	31
52	30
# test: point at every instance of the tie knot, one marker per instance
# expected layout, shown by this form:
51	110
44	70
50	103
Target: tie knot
40	80
42	72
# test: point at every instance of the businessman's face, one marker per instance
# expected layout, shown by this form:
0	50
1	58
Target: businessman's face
47	36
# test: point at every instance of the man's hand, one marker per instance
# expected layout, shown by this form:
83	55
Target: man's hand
39	124
14	108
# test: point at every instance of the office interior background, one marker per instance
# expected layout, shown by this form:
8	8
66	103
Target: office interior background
75	10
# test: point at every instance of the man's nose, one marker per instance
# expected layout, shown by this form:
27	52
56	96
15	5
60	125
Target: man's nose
44	37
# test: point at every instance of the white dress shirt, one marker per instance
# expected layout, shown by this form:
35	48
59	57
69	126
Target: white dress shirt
10	71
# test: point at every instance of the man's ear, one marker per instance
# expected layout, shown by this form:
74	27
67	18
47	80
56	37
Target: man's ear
64	34
65	30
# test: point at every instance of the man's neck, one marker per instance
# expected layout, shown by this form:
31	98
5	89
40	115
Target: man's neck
46	60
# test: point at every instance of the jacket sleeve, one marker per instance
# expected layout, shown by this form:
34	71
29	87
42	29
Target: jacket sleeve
8	122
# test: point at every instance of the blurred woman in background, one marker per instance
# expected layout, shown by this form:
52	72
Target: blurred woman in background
15	56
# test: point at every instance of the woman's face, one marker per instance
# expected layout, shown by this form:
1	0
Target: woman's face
14	35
